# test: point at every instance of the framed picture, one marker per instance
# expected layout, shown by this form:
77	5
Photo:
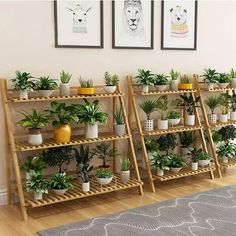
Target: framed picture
78	24
179	24
132	24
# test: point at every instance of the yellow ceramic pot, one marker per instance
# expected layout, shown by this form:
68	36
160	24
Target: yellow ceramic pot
86	91
62	134
185	86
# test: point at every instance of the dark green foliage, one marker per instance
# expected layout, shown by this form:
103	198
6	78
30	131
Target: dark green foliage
228	133
167	143
186	138
61	181
35	163
23	81
45	83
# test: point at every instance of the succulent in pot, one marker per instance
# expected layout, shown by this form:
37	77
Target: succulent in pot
226	151
185	83
34	121
125	170
224	102
161	82
232	75
232	105
210	78
119	121
176	163
213	102
104	176
24	83
203	158
167	143
111	82
174	75
223	80
162	104
86	87
65	78
46	86
145	78
174	118
148	106
186	141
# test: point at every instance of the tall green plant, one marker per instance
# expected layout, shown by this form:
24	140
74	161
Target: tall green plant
190	103
224	102
232	101
232	73
65	77
148	106
118	116
174	74
125	164
212	102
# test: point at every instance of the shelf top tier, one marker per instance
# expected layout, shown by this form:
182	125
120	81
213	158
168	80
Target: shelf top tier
165	92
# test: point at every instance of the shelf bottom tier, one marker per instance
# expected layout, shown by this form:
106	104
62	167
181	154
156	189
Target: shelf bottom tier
183	173
77	193
231	163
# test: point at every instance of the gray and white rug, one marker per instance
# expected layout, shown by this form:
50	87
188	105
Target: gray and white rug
211	213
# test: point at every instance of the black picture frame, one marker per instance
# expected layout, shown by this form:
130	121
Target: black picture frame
162	29
79	46
135	47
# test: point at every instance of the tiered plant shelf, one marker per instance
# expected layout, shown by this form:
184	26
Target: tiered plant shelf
17	147
134	94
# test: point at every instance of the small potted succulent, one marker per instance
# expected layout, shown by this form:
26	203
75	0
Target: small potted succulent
174	118
161	82
176	163
162	104
232	105
233	78
223	80
65	86
148	106
34	121
203	158
174	75
186	141
86	87
160	163
213	102
46	86
145	78
151	147
111	82
119	122
210	78
104	176
185	83
125	171
226	151
38	184
224	102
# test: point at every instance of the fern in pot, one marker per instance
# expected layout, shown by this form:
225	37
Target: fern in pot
148	106
186	141
125	170
23	82
65	78
210	77
111	82
160	163
223	80
174	118
104	176
145	78
161	82
46	86
224	102
176	163
162	104
34	122
232	105
174	75
213	102
119	121
232	75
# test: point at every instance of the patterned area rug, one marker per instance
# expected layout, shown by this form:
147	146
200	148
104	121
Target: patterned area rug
211	213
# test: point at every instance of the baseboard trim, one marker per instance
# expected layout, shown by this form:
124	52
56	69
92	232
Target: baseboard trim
3	197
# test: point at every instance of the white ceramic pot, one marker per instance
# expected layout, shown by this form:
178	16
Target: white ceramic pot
174	85
86	187
104	181
225	159
233	83
38	196
23	94
176	169
148	125
125	176
173	121
190	120
91	131
162	87
210	85
223	118
162	124
233	115
110	88
223	85
59	191
212	118
145	88
46	93
184	151
35	137
120	129
203	162
194	165
64	89
160	172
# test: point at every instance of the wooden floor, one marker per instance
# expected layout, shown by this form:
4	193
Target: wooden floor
11	223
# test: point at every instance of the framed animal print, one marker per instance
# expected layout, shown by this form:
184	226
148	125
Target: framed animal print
132	24
179	24
78	24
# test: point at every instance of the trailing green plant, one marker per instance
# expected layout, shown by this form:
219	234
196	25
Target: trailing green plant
162	104
224	102
148	106
104	173
173	115
151	145
184	79
65	77
232	101
232	73
34	120
125	164
210	76
110	80
145	77
212	102
35	163
223	78
58	156
190	103
226	150
159	161
86	83
160	79
60	181
186	138
118	116
45	83
177	161
228	133
23	81
167	143
174	74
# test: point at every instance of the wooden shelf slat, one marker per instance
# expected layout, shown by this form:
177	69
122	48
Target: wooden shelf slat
222	124
217	89
231	163
165	92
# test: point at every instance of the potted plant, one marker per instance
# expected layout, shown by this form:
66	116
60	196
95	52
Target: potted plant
104	176
111	82
60	183
125	171
62	116
86	87
174	118
190	103
186	141
145	78
161	82
233	78
174	75
46	86
34	121
167	143
212	102
64	86
151	147
176	163
38	184
203	158
148	106
227	133
232	105
223	80
162	104
58	157
88	114
194	153
210	77
224	102
83	157
160	163
104	152
23	83
119	122
185	83
226	151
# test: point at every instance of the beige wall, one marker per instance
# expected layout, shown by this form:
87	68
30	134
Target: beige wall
27	43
